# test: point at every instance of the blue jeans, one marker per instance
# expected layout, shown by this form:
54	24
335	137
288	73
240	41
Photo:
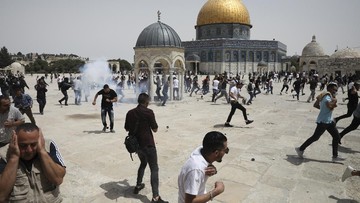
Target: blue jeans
148	155
320	129
251	97
77	96
110	112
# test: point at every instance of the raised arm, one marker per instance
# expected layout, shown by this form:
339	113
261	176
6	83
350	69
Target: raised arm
52	170
8	175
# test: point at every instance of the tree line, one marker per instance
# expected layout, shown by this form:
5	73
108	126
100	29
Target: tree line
58	66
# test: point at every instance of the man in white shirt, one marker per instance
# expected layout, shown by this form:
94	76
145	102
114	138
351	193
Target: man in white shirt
176	88
215	88
197	169
234	96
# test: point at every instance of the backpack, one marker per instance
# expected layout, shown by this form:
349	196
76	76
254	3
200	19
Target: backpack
319	98
131	144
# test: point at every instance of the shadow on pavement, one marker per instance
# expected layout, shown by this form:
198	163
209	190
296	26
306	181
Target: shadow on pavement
347	150
234	126
93	131
342	200
294	159
122	188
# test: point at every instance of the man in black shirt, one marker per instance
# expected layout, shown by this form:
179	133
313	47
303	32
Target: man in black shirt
108	97
141	122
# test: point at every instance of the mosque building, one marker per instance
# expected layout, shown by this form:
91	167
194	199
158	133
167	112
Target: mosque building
222	45
223	42
341	62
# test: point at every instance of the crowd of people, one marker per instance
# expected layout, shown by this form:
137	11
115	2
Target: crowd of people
23	146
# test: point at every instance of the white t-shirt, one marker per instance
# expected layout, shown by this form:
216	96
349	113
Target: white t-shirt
176	83
216	84
192	178
12	115
235	91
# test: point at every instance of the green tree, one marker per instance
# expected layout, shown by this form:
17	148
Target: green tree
125	65
5	58
66	65
38	66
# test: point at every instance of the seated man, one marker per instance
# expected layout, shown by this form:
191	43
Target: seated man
31	168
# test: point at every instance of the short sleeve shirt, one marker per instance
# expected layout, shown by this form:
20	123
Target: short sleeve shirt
110	95
192	178
235	91
325	114
12	115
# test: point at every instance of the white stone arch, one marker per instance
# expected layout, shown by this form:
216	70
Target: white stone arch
166	56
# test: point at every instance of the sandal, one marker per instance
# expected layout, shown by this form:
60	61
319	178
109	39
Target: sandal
139	187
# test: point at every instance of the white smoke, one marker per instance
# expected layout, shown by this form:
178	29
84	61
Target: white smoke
97	74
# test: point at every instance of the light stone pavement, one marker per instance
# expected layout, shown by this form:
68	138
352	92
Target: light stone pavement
99	168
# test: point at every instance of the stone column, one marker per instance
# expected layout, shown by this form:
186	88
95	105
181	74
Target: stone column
171	84
181	84
151	84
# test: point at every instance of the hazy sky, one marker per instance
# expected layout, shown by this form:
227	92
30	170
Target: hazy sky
109	28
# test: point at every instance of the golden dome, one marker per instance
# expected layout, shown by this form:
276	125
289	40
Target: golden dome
223	11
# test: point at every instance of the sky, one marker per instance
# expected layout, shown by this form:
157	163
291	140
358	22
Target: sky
108	29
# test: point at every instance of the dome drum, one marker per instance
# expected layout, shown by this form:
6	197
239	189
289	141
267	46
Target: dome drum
230	30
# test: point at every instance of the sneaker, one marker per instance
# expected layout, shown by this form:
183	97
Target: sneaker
112	130
104	129
338	158
347	173
299	152
139	187
159	200
60	102
248	122
228	125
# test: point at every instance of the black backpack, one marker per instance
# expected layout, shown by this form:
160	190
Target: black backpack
131	144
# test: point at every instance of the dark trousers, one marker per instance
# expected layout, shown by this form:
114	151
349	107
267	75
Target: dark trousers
234	106
148	155
320	129
256	91
353	125
42	103
283	87
223	92
158	93
297	93
110	112
251	97
29	114
350	109
65	98
193	88
165	97
215	92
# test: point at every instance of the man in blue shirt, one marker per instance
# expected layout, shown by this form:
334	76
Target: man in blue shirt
324	122
24	103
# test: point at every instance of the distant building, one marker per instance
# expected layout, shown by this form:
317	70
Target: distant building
223	42
311	54
341	62
14	68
